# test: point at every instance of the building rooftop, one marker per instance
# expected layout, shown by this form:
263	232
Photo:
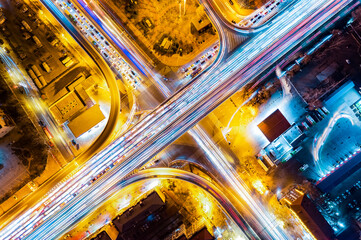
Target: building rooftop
274	125
103	235
309	215
66	107
202	234
201	21
340	173
151	218
86	121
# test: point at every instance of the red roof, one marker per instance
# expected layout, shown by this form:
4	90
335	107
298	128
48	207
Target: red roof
274	125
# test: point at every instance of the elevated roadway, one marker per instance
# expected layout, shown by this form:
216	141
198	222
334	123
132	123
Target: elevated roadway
190	104
109	133
225	12
177	174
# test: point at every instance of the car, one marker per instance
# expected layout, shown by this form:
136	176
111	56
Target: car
41	123
50	143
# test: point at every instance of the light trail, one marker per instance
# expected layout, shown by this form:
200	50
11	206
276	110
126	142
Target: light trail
121	42
226	130
320	141
33	102
238	186
202	95
81	24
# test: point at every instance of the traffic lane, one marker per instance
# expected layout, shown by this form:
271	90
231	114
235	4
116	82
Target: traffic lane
93	35
251	210
124	46
107	133
150	93
290	40
164	174
65	195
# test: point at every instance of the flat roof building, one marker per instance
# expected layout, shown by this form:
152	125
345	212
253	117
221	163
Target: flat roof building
66	107
103	235
152	218
309	215
86	121
343	171
201	21
202	234
274	125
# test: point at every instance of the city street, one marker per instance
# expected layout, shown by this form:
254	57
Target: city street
92	181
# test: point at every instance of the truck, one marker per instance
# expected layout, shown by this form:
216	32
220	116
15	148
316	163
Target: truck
31	74
36	70
69	63
42	80
37	41
26	26
46	67
35	79
64	60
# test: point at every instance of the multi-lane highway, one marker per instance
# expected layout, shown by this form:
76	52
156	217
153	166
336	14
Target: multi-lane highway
34	104
109	43
110	131
174	117
122	43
